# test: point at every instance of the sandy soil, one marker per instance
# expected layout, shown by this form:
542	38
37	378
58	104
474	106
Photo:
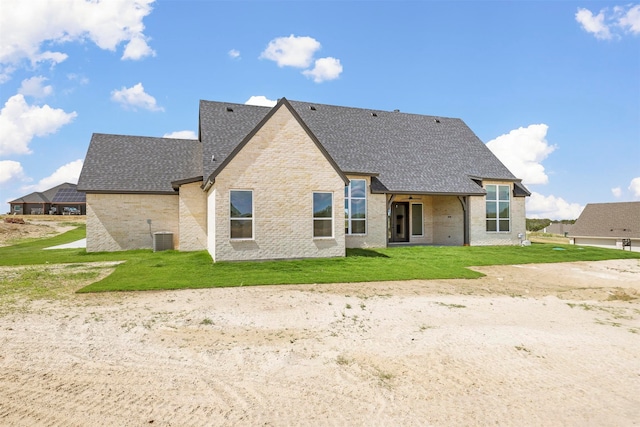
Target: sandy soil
36	226
548	345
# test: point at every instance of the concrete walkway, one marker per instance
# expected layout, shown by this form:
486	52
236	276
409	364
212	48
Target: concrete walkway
82	243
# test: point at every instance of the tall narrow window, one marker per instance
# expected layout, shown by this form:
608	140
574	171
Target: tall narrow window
322	214
241	214
416	219
355	207
498	208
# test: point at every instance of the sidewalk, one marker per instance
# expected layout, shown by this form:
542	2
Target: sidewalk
82	243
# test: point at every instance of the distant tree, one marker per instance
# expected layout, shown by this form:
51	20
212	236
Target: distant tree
537	224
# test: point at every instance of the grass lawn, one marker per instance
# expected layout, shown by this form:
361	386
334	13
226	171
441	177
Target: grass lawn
146	270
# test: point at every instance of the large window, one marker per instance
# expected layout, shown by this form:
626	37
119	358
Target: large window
498	208
322	214
241	214
355	207
416	219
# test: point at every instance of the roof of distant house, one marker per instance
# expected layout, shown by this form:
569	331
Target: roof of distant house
46	196
608	220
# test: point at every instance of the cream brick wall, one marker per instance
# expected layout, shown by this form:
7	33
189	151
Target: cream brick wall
478	229
117	222
193	217
376	236
448	221
283	167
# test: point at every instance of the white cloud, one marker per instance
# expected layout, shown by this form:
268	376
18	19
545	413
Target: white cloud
10	170
65	173
551	207
137	48
325	69
135	97
235	54
630	20
617	192
610	23
291	51
298	52
34	87
20	122
83	80
261	101
181	134
522	150
34	24
634	187
593	24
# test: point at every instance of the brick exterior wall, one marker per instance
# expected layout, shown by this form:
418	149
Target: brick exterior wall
283	167
193	218
448	221
478	228
376	236
117	222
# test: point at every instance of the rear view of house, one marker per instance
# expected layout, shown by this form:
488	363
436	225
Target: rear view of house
300	180
608	225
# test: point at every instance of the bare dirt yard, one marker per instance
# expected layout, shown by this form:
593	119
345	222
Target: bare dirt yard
35	226
554	344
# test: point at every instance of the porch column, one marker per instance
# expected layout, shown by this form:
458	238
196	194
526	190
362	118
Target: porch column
465	216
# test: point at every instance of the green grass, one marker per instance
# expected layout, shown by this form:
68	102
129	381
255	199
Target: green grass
146	270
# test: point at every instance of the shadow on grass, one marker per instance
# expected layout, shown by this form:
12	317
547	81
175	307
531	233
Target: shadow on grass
365	253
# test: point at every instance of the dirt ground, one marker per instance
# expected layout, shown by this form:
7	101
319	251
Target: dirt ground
36	226
554	344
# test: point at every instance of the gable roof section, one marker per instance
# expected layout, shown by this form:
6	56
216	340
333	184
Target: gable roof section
137	164
223	126
46	196
608	220
407	153
282	103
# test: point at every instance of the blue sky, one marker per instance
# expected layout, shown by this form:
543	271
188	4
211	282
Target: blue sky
552	87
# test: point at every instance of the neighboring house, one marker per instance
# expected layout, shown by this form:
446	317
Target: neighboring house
300	180
558	228
61	199
608	225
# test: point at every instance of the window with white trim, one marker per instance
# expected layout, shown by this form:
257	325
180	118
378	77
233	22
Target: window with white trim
241	214
355	207
498	208
322	214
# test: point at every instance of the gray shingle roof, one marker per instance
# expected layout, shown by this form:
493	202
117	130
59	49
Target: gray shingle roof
120	163
223	126
608	220
406	152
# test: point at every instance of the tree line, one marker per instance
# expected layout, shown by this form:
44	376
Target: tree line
537	224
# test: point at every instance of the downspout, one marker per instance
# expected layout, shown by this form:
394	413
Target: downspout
465	216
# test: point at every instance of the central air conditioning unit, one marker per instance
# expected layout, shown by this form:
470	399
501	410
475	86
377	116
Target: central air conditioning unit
162	241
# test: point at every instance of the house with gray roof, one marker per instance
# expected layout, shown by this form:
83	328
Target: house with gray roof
608	225
300	180
58	200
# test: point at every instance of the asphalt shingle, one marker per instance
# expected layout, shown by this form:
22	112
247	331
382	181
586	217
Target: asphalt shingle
129	164
407	153
608	220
